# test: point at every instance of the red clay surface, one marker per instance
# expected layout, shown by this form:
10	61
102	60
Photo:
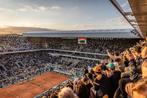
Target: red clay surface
33	87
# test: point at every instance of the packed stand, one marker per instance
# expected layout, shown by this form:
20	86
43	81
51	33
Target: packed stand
15	43
16	67
21	66
93	45
99	45
122	75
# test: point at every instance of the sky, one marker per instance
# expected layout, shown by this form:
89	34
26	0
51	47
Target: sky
62	14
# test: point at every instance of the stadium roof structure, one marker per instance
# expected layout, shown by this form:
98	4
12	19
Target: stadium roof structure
139	13
114	33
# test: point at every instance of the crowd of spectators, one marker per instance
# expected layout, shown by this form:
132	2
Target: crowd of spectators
93	45
20	43
21	66
15	67
15	43
122	75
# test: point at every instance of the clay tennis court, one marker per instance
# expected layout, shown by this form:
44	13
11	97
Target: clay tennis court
33	87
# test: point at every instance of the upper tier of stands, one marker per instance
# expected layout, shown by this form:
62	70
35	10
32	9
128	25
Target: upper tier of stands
19	43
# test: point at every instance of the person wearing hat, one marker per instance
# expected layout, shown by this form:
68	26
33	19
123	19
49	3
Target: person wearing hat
104	81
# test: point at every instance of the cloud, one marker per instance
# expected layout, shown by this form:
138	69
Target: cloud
6	9
27	8
22	9
42	8
55	7
35	8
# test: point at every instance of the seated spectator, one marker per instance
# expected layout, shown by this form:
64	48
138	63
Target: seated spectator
82	90
53	95
144	53
67	92
140	89
128	86
44	97
96	92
